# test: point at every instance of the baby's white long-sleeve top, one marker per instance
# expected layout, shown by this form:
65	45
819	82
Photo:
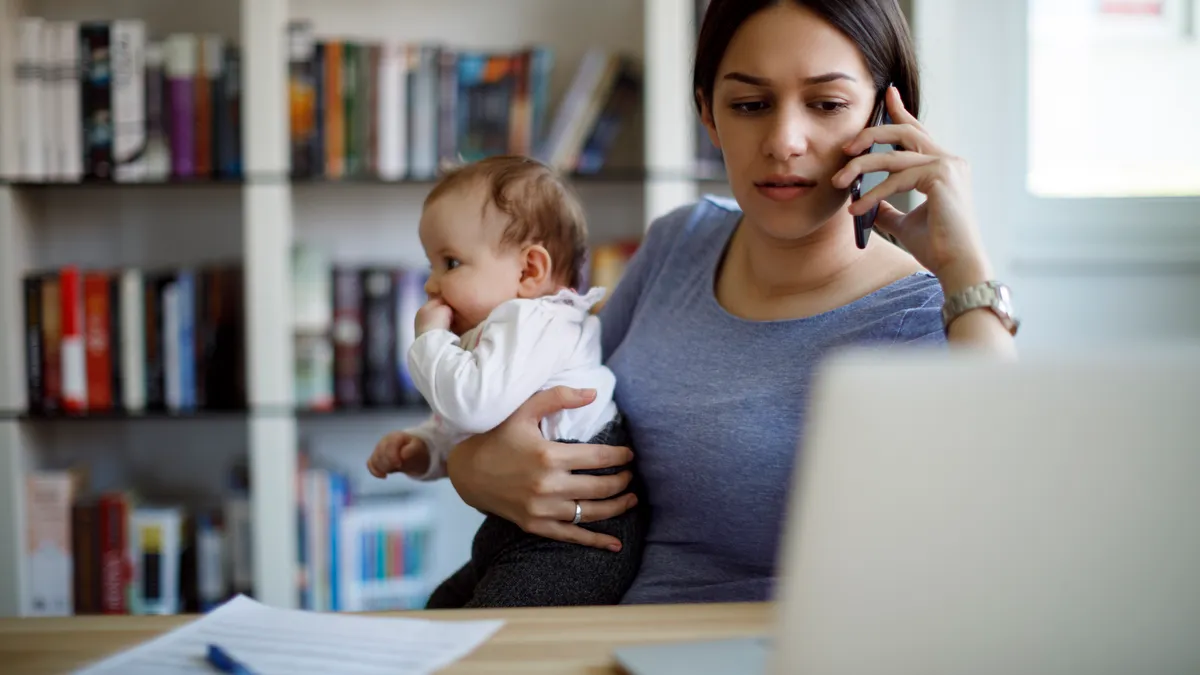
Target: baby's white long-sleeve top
475	382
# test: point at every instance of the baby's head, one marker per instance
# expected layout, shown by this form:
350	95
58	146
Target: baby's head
498	229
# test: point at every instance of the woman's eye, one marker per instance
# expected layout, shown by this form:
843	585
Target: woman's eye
451	263
749	107
830	106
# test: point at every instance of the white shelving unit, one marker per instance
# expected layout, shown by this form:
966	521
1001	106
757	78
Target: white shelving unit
259	219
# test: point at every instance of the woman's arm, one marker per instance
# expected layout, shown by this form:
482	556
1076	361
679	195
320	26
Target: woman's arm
977	328
941	233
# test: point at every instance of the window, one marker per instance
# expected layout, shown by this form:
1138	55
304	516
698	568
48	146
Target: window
1114	95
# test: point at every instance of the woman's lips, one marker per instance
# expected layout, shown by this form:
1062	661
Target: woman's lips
782	188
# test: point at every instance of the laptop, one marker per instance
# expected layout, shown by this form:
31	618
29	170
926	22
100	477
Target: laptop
956	514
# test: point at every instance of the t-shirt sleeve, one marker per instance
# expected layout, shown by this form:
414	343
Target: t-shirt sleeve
619	308
922	325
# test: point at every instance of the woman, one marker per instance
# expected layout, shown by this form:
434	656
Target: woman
722	315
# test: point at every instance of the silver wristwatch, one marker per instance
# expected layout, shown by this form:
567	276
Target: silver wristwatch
991	295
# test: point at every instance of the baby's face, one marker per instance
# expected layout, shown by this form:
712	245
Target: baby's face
469	269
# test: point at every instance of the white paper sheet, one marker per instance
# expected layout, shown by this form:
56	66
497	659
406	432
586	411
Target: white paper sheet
269	640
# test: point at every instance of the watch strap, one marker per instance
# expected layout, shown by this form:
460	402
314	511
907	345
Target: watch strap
992	295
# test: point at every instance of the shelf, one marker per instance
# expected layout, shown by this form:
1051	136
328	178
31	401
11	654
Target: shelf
404	409
215	414
611	176
102	184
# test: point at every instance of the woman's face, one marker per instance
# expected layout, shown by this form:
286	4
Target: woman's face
790	92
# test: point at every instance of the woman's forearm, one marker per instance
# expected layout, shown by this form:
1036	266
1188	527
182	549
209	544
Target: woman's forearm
978	329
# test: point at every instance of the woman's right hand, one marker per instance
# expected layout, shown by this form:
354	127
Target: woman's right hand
514	473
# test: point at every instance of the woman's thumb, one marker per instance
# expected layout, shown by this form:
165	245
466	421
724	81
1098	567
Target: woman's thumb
888	218
553	400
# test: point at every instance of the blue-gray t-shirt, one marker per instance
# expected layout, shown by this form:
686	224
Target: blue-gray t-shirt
715	402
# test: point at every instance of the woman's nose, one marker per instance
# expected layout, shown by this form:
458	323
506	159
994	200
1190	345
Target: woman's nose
787	135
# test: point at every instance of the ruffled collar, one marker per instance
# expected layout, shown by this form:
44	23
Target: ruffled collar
569	297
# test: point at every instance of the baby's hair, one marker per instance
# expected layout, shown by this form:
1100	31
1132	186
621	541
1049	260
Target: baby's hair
541	207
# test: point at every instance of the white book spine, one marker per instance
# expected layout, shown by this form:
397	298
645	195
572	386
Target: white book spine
50	126
170	347
154	539
29	99
210	565
133	341
47	543
70	105
213	58
128	45
425	114
10	37
393	129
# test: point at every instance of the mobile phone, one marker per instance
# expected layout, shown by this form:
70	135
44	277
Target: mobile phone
865	183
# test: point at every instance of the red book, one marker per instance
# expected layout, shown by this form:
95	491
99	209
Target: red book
51	342
116	570
74	365
98	343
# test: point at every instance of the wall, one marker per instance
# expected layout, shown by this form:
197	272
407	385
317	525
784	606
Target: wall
1084	270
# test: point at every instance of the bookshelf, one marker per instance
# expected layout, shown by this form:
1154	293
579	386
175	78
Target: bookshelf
255	219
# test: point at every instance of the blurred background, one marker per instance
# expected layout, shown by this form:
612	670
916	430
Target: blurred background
209	261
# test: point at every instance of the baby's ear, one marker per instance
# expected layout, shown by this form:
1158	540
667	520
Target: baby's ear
536	270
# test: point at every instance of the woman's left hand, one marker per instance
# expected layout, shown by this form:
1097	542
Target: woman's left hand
941	233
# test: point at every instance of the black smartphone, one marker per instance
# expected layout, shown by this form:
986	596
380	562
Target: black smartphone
865	183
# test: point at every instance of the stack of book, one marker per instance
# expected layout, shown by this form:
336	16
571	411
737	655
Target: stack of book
391	110
117	552
106	101
132	340
361	554
353	326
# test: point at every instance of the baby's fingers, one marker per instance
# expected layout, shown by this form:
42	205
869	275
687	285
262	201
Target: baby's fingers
386	459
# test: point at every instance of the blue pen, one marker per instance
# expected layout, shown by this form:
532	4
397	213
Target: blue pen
222	661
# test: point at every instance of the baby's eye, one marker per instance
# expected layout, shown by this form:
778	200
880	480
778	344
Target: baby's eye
451	263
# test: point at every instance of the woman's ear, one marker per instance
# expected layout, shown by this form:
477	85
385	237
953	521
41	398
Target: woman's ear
536	270
706	118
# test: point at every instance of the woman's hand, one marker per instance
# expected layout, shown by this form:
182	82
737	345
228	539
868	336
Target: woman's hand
514	473
941	233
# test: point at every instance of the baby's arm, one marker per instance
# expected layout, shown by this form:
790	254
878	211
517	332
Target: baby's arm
437	443
418	452
520	347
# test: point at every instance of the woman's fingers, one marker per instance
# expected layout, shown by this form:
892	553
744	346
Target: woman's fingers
894	184
906	136
890	162
556	399
603	509
900	114
574	534
590	456
587	486
888	218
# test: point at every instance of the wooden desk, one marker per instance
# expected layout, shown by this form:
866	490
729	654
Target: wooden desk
540	640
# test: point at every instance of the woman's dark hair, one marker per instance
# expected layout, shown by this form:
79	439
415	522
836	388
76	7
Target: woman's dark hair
878	28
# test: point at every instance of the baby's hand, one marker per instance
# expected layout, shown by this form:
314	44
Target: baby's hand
399	452
433	315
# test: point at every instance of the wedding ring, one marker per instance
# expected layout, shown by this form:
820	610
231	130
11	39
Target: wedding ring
578	514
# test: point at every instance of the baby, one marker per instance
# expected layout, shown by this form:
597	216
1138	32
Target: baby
506	240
